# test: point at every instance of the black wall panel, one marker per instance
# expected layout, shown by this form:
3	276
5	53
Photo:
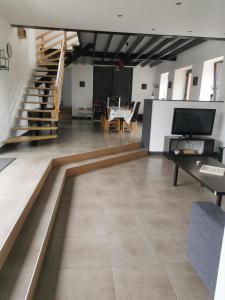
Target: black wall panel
109	82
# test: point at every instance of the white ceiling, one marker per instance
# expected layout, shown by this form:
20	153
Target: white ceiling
204	17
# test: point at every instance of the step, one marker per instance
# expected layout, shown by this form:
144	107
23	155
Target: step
10	227
37	110
26	258
47	64
37	119
39	88
29	138
38	95
40	75
53	59
41	81
45	70
36	128
36	102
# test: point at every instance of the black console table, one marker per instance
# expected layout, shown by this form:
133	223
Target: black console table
177	146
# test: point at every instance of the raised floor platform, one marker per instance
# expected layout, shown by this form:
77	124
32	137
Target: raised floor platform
37	201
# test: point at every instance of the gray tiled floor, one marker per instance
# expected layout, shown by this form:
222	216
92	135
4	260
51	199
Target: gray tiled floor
120	234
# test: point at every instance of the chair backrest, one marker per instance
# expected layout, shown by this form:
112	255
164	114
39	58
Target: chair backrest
132	104
105	111
136	110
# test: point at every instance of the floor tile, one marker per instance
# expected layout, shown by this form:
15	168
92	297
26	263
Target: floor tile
122	223
186	282
78	224
78	284
170	248
132	250
142	283
77	252
159	222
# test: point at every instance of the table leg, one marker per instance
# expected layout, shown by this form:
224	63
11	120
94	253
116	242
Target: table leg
175	175
219	200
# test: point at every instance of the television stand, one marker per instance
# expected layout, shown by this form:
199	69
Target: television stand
181	146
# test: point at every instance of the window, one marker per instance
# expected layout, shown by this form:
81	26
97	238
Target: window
211	76
182	83
163	86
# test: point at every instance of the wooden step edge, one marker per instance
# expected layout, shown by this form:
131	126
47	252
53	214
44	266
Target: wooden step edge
37	119
47	70
29	138
95	154
40	259
40	75
47	64
70	172
37	110
39	88
42	81
36	102
7	246
31	128
38	95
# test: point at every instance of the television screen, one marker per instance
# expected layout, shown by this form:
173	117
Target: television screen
188	121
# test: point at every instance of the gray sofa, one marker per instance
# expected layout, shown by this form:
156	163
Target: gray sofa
205	239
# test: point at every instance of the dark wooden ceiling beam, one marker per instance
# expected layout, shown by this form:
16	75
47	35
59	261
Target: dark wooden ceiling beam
121	44
80	39
94	43
157	48
111	55
109	40
137	41
192	43
111	63
150	43
77	53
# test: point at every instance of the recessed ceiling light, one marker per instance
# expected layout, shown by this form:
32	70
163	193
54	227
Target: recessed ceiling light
179	3
119	15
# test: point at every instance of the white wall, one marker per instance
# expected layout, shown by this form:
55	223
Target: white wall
13	82
194	57
162	117
82	96
143	75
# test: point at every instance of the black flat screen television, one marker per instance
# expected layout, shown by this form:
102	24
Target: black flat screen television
188	121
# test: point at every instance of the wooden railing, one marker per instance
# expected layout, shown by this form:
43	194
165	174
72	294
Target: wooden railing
49	40
59	81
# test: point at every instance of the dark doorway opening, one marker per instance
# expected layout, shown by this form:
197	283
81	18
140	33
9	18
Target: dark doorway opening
107	82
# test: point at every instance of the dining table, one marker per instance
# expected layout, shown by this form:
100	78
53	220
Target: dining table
120	113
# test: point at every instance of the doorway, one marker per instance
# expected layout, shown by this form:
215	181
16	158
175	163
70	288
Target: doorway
182	83
211	79
108	82
164	78
188	85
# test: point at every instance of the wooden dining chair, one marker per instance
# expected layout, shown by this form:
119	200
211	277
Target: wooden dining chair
132	126
106	123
